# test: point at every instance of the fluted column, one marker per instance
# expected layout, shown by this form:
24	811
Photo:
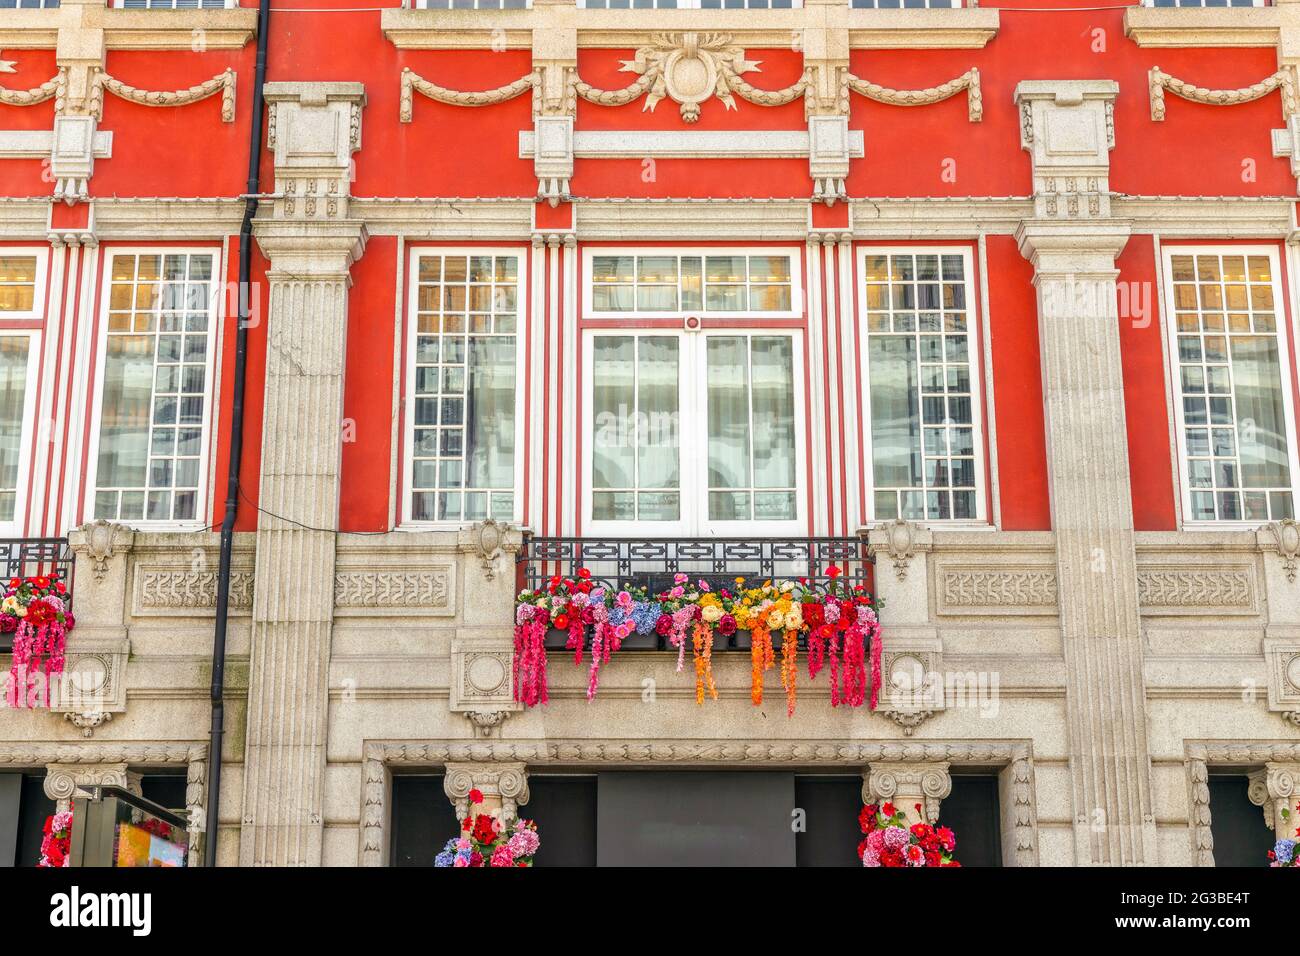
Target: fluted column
314	129
1072	243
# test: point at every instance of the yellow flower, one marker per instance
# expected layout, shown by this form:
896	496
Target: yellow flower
794	619
775	619
741	615
711	613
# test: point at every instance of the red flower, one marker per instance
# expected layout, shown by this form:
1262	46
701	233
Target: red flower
867	818
562	622
8	624
485	830
584	573
814	615
887	809
947	838
476	795
726	625
833	571
664	626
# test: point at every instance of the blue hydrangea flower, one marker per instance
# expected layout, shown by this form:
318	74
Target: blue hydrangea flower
448	855
617	615
644	616
1284	850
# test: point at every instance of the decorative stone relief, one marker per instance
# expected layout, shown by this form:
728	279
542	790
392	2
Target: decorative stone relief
503	785
983	590
908	784
1181	590
1282	658
1284	536
912	669
166	589
482	680
102	537
1274	789
87	721
902	540
490	541
1158	81
394	588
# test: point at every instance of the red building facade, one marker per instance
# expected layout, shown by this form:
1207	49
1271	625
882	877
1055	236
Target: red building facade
1011	285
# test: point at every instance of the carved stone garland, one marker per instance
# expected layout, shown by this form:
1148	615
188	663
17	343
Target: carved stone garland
1159	81
968	81
413	83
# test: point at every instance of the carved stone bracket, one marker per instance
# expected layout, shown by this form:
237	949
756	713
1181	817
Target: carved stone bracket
87	721
914	684
900	540
1284	537
101	539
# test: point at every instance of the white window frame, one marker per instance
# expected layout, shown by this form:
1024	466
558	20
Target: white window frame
408	371
693	436
171	5
1283	321
794	253
975	355
42	255
211	397
27	436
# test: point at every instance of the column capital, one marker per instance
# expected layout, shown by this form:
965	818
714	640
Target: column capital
1077	247
1276	790
504	787
316	249
908	784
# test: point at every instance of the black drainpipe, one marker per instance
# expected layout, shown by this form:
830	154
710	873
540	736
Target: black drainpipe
236	442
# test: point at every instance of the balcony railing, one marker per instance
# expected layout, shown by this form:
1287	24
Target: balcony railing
652	563
30	558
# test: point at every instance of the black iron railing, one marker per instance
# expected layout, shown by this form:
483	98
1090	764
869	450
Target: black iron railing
31	558
653	563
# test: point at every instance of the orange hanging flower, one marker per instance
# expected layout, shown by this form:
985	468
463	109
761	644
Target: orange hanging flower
760	659
789	668
702	645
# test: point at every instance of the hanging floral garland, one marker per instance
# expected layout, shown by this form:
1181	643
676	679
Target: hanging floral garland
836	619
35	610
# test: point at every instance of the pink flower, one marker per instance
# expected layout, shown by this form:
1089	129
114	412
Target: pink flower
503	856
876	841
704	586
896	838
677	592
871	858
680	578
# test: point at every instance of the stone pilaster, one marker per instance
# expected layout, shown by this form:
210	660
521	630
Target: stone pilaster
908	785
314	128
1067	127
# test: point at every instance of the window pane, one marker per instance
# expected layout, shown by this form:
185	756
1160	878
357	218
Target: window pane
728	415
773	376
657	413
921	387
464	388
1230	377
613	404
17	283
13	386
690	283
154	380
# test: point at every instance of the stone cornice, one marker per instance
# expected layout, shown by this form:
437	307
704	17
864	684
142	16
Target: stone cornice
965	28
134	29
1210	27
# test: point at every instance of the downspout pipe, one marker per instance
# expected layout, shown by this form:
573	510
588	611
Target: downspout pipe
217	733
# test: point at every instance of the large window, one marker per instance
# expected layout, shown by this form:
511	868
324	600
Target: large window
18	351
474	4
699	281
905	4
920	383
153	416
1206	3
463	369
174	4
1233	408
693	432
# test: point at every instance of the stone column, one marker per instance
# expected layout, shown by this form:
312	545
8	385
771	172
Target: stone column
504	787
1276	790
313	129
63	780
907	785
1072	242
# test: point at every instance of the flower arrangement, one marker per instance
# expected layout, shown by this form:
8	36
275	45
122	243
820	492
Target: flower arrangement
1284	851
486	841
838	622
57	842
889	841
35	610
